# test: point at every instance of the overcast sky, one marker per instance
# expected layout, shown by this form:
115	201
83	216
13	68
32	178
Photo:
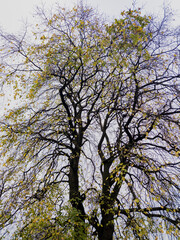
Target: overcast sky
14	12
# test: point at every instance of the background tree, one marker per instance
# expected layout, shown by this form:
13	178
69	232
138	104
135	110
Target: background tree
97	125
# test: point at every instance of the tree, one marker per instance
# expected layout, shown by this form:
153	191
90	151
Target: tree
92	149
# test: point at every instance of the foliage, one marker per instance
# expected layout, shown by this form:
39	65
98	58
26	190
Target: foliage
43	225
96	125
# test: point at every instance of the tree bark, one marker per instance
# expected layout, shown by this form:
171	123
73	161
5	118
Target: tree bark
107	229
76	199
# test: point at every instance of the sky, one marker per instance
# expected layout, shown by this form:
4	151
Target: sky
13	13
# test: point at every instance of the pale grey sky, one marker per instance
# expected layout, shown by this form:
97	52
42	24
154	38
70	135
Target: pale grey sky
13	12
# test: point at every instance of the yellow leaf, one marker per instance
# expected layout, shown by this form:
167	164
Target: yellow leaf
42	37
177	153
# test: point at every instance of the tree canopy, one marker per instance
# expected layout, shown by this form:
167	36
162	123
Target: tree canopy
92	148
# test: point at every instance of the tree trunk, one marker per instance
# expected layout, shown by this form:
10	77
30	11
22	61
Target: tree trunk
107	229
76	200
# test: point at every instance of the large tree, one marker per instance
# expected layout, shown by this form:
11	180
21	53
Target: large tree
91	149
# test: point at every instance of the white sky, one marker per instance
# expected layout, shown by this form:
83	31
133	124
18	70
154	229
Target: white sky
13	12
